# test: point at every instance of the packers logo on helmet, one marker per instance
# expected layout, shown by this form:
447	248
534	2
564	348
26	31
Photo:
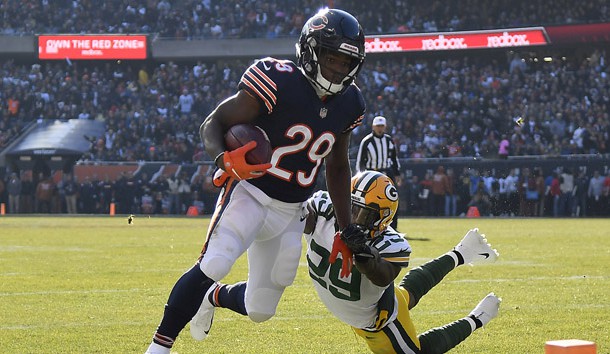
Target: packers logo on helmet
374	201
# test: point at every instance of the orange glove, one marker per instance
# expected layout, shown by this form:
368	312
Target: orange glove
346	255
235	164
220	177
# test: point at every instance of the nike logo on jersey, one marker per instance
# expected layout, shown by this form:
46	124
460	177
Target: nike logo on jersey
266	66
486	255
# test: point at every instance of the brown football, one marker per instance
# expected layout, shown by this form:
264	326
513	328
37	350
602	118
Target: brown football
241	134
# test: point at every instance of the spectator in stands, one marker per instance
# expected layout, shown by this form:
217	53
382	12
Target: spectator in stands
45	191
88	196
555	192
13	188
580	195
463	191
567	188
540	191
27	193
528	193
71	192
451	194
106	192
480	199
503	148
606	195
511	182
186	102
425	195
440	187
184	192
595	193
160	188
173	194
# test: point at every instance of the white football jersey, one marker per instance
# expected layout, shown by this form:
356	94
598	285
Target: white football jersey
355	300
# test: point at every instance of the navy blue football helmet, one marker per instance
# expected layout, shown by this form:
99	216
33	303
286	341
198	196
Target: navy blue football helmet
333	30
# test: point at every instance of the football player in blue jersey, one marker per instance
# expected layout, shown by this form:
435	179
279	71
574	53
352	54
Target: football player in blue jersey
308	111
364	296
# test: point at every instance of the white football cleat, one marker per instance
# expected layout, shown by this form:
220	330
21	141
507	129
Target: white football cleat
474	248
202	321
487	309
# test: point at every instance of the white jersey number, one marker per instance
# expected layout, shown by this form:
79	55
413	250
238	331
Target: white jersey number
346	290
316	151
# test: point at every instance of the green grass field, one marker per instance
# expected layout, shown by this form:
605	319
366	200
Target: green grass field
98	285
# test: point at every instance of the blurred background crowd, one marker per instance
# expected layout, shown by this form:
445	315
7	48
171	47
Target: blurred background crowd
189	19
437	106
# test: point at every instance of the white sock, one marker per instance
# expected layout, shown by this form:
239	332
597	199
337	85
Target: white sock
455	257
155	348
473	324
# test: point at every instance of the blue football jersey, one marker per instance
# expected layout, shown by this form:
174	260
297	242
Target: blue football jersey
302	128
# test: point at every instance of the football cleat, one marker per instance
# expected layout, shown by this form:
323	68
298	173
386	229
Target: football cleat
474	248
487	309
202	321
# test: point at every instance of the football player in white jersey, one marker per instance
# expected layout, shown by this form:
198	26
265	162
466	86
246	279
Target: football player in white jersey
365	296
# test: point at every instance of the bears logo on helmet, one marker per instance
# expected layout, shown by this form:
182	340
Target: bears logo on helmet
318	22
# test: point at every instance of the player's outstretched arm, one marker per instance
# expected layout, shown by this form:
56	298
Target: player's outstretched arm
367	259
377	269
338	177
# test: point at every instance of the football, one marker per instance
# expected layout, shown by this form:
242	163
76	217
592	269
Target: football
241	134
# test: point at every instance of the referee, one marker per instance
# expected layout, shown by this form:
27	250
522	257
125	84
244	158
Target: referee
378	153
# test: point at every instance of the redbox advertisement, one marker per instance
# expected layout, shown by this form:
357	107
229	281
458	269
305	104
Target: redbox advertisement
92	47
514	37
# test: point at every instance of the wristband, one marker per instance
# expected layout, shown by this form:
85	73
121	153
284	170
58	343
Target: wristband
218	158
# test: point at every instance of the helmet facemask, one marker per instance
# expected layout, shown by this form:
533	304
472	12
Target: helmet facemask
328	86
374	201
370	216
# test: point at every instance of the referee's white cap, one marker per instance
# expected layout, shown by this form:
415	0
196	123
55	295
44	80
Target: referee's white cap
379	120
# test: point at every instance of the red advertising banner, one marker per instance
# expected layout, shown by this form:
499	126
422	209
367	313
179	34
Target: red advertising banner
92	47
587	33
514	37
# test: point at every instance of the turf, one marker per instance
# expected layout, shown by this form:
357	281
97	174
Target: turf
98	285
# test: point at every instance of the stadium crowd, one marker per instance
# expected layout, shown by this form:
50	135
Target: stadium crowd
464	106
191	19
449	106
443	192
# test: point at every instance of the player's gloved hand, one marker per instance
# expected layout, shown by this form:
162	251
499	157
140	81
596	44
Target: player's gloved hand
220	178
346	256
234	163
355	238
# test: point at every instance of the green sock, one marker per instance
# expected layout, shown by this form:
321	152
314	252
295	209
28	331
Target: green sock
421	279
442	339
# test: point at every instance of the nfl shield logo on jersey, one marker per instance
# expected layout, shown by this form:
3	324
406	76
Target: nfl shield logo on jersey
323	112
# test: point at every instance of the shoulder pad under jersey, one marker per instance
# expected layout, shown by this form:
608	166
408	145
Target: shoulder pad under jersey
262	78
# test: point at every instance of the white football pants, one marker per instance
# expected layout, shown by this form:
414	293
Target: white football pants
270	230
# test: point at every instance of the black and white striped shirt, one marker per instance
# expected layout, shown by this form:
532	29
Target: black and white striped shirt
378	153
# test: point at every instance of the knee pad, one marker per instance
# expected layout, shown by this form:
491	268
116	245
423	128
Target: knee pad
285	268
260	317
262	303
216	267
